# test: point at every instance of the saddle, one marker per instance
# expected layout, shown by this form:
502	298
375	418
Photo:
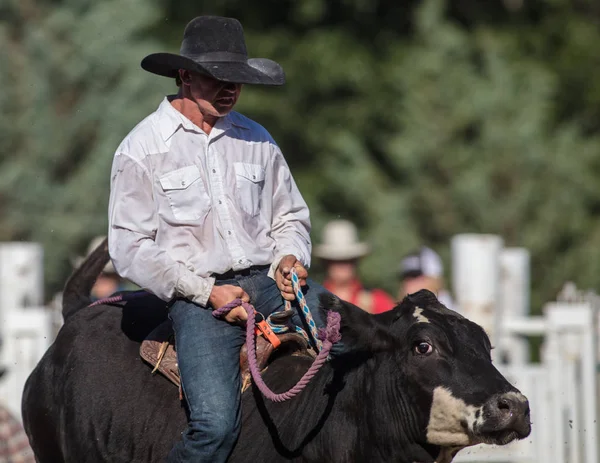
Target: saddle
158	350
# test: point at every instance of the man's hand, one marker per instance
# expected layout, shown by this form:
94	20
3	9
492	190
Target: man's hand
284	279
222	295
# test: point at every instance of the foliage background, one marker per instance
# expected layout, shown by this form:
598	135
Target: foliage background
416	120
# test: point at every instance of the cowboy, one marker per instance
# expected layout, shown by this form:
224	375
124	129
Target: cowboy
423	269
204	210
341	252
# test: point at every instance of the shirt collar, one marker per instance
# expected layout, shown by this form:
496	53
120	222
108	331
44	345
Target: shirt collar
237	120
170	121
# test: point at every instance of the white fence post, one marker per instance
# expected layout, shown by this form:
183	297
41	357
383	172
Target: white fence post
562	389
514	301
21	276
576	323
476	277
28	334
25	326
491	287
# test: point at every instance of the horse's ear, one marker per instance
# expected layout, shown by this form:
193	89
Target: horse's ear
358	328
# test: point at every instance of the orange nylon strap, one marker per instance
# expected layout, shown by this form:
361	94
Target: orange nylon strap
262	327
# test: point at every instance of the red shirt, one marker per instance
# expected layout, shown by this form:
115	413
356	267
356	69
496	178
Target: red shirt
373	301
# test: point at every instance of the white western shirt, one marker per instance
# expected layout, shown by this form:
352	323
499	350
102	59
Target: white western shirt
185	205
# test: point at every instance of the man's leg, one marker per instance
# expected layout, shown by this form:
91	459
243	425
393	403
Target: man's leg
208	352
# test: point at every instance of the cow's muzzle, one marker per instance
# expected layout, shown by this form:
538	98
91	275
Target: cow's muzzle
505	417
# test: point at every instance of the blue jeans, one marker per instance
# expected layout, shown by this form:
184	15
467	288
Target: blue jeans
208	352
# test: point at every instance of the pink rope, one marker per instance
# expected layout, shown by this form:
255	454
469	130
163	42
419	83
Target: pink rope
330	335
128	296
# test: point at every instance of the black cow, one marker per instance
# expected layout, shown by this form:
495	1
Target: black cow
417	385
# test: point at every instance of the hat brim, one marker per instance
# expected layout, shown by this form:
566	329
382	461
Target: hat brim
328	252
255	71
409	274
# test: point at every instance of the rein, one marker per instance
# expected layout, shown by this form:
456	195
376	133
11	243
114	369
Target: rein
120	298
323	338
329	336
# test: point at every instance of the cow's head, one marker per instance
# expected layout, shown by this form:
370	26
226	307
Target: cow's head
451	394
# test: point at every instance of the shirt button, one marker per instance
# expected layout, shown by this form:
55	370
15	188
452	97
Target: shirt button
214	171
220	202
182	183
229	232
254	177
240	261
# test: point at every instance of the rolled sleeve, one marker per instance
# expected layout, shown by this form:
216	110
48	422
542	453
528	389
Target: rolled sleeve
197	289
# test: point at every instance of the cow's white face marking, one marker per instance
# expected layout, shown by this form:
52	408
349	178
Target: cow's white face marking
452	421
418	315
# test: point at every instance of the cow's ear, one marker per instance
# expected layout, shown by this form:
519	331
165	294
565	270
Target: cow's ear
358	328
425	298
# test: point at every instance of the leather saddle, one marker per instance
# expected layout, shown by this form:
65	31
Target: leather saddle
158	350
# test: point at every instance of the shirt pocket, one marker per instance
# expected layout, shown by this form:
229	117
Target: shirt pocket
250	180
185	190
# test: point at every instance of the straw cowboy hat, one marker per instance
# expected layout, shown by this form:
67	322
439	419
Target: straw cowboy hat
108	268
215	46
340	242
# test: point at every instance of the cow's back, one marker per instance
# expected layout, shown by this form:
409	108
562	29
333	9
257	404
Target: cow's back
91	397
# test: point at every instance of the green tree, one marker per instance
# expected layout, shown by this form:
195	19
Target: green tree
71	89
480	149
422	123
417	120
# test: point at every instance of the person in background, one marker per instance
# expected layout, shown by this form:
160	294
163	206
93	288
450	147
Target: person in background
341	252
108	282
423	269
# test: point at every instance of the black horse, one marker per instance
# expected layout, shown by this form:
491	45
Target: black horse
417	385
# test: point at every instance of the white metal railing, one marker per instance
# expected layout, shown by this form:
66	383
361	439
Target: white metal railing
25	326
27	334
562	389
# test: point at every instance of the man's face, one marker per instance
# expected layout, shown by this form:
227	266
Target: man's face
213	97
106	285
341	272
410	285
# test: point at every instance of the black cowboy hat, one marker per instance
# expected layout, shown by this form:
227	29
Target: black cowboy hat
216	46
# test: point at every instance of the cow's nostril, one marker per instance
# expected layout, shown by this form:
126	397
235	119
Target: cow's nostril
504	405
507	413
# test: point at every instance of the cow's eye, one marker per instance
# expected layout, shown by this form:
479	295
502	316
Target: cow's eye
423	348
